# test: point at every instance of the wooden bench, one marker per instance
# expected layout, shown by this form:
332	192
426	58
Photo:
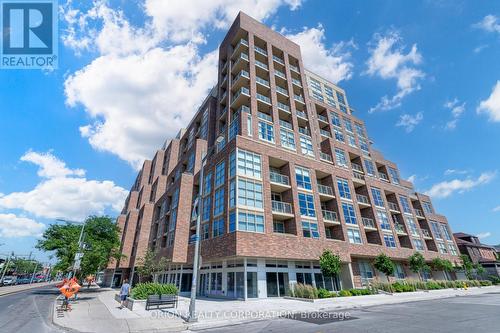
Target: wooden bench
158	301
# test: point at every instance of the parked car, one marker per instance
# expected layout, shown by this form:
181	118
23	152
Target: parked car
9	280
23	280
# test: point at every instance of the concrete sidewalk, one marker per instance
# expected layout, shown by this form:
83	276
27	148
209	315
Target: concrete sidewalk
97	311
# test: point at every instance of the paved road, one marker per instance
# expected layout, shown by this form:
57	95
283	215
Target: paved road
28	311
458	315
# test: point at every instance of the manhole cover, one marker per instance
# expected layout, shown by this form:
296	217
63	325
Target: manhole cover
320	318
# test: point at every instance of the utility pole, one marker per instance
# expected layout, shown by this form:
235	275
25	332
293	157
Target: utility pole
6	266
34	271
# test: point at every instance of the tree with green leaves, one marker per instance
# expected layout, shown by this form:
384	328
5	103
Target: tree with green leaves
384	264
444	265
330	263
467	266
480	271
149	265
101	239
417	264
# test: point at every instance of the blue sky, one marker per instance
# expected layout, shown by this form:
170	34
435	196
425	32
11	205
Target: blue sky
422	75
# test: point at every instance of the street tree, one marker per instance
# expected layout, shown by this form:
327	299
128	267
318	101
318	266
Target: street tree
149	265
330	263
384	264
417	264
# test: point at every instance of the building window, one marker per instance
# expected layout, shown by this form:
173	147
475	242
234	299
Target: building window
363	145
250	222
442	248
446	232
219	201
310	229
377	197
249	125
339	136
249	193
232	164
204	231
303	178
306	204
453	250
427	207
190	165
436	230
249	164
344	190
232	221
335	119
354	236
348	125
207	184
352	140
173	220
383	220
370	169
232	193
389	241
349	213
279	227
207	204
359	130
218	227
394	175
405	204
399	272
287	139
306	145
412	225
266	131
340	157
219	174
175	198
419	245
340	97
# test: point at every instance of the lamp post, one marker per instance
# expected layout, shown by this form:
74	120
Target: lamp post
78	255
192	305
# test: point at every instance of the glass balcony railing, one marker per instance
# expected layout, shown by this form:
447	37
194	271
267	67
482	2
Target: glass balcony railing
262	81
281	207
298	98
323	189
263	98
393	206
301	114
325	157
329	215
305	131
362	199
260	50
325	133
294	68
265	116
243	90
278	60
286	124
261	65
283	107
279	74
243	108
242	73
297	82
357	167
322	118
279	178
282	91
368	223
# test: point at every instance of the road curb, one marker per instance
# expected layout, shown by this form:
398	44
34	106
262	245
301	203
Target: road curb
22	290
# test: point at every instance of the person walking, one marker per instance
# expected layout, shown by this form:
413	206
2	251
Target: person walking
124	292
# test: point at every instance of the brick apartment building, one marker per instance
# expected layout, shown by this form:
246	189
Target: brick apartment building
478	252
293	175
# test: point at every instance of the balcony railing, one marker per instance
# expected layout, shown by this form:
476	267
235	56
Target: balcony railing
278	60
264	116
243	108
419	212
383	176
323	189
393	206
223	96
357	167
286	124
260	50
261	65
242	73
325	133
305	131
283	107
242	42
297	82
263	98
362	199
322	118
399	228
301	114
328	215
298	98
281	207
243	90
279	178
426	233
325	157
279	74
282	90
359	176
368	223
262	81
294	68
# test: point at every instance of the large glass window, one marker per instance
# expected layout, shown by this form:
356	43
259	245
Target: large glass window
359	130
249	193
287	139
377	197
232	164
354	236
205	231
453	250
419	245
394	175
446	232
249	164
219	174
389	241
303	178
383	220
232	193
344	190
248	221
207	205
370	169
340	157
219	201
363	145
207	184
306	145
436	230
442	248
306	204
351	140
339	136
349	213
412	225
336	119
348	125
218	227
427	207
266	131
405	204
232	221
399	272
310	229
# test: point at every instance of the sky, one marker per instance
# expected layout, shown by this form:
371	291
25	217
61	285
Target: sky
423	75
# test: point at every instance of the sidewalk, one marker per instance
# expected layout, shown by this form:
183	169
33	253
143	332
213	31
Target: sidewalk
97	311
6	290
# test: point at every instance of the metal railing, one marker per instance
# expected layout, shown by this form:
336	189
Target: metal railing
328	215
357	167
426	233
323	189
393	206
281	207
362	199
301	114
399	228
368	223
419	212
325	156
383	176
279	178
358	176
322	118
282	90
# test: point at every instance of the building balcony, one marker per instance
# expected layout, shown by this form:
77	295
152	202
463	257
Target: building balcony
278	60
260	50
261	65
357	167
304	131
223	98
280	74
325	191
358	178
243	108
279	182
383	176
282	91
301	114
240	97
393	207
330	217
325	157
262	82
297	82
363	200
294	68
322	118
223	112
281	210
369	224
419	214
223	81
400	229
241	79
241	46
283	107
240	63
426	234
299	99
325	133
265	116
264	99
224	67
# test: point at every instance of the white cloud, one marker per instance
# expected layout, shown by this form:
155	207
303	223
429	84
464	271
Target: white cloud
490	23
409	122
388	61
483	234
412	179
448	172
446	188
457	109
491	106
63	194
496	209
479	48
12	226
50	166
333	63
147	82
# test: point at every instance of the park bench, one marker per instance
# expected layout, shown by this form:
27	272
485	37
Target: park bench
157	301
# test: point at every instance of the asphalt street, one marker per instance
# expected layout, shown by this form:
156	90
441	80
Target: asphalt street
29	311
457	315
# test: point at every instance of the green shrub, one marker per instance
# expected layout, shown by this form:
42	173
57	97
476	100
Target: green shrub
403	287
143	290
360	292
433	285
384	286
494	279
485	283
334	294
300	290
323	293
344	293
